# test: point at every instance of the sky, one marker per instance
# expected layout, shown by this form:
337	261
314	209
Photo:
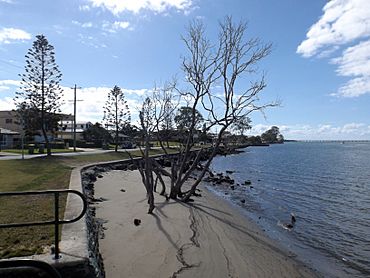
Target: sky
319	67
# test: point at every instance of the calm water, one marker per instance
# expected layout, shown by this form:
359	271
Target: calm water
326	186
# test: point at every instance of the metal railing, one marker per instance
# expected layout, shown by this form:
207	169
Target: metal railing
47	268
56	222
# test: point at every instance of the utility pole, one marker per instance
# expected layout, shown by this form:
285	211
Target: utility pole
74	116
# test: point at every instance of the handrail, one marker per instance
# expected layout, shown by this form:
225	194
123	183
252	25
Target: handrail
56	222
47	268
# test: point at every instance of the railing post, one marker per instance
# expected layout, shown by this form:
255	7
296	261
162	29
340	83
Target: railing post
56	222
56	227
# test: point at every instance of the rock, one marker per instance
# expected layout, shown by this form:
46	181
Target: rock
226	193
121	167
247	182
122	190
229	172
137	222
243	201
232	187
98	200
292	218
289	226
251	187
100	176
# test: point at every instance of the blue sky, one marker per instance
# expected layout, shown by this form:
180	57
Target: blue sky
319	67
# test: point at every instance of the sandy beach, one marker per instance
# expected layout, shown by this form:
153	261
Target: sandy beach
207	238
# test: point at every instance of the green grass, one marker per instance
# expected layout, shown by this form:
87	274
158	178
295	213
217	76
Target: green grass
108	156
26	175
170	143
18	151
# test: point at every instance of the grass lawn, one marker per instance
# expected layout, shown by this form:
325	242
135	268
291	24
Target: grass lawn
18	151
26	175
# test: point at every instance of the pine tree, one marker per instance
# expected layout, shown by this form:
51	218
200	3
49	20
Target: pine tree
116	113
40	93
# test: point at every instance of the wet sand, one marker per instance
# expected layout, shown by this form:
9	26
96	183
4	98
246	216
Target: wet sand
207	238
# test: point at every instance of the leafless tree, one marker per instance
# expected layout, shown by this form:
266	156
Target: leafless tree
154	113
213	73
232	58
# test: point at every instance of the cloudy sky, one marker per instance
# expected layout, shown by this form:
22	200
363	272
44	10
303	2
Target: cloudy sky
319	67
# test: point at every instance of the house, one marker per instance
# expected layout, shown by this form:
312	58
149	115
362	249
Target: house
10	120
65	130
11	129
123	139
7	138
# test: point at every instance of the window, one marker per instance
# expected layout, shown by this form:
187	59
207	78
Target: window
8	121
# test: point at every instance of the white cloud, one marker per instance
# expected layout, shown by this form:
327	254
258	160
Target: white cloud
342	22
115	26
90	108
344	25
9	35
7	1
84	8
83	25
355	61
6	103
354	88
9	82
121	24
118	6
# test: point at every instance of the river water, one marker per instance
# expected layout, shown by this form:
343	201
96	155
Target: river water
327	188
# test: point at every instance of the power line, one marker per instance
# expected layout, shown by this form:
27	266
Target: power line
10	64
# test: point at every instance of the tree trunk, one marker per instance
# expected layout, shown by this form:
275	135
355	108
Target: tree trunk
173	193
48	149
116	119
151	202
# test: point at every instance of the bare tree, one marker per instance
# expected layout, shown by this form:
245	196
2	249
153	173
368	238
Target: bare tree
209	67
116	113
40	94
154	114
233	57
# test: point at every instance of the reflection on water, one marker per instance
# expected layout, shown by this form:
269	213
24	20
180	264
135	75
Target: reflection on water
325	185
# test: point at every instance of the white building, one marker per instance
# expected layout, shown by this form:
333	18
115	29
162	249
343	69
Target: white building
65	130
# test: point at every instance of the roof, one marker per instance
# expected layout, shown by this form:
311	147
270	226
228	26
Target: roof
8	132
70	122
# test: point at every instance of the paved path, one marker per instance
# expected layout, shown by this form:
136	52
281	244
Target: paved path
80	151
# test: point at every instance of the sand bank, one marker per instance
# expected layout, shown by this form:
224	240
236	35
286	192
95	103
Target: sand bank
208	238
